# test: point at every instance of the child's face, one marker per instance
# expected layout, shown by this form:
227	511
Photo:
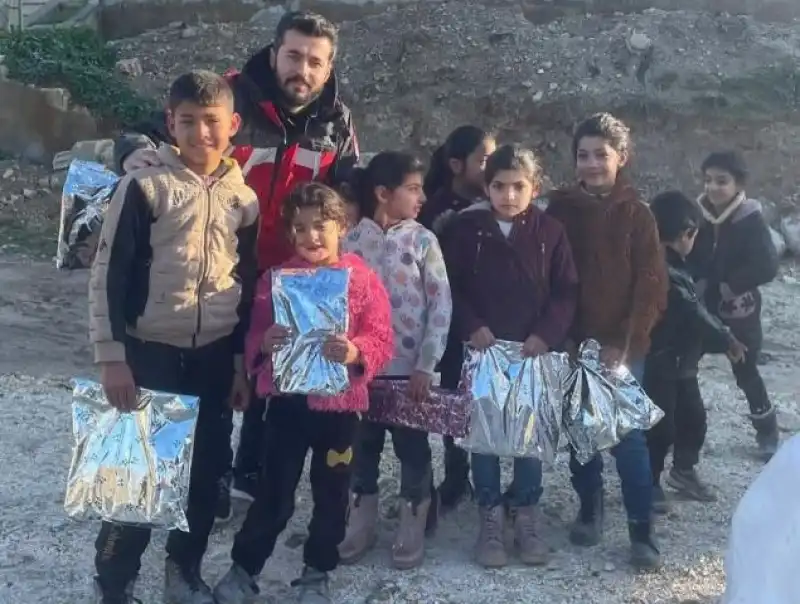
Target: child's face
203	134
510	193
405	201
597	164
721	187
315	237
685	243
471	169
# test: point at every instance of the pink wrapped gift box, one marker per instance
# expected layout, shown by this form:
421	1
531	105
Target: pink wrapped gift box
445	412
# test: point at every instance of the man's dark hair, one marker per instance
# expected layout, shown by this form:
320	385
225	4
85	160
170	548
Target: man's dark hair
317	196
201	87
675	214
309	24
727	161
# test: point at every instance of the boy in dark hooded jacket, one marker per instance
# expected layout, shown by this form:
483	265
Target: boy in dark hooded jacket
685	326
733	256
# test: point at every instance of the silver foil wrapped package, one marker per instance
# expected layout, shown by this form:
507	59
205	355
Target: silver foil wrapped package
131	468
602	405
84	200
516	401
313	305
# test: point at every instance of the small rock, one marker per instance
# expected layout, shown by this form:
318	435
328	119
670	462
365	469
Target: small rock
268	16
3	72
28	193
295	540
609	567
130	67
190	32
44	182
9	173
639	42
790	229
778	241
553	85
538	96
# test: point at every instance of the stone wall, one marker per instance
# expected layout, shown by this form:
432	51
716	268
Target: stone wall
125	18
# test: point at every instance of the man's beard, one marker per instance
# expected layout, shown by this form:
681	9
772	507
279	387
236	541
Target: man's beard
295	101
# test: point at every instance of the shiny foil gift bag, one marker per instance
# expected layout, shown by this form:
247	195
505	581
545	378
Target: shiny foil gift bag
313	305
602	405
444	412
516	401
131	468
84	200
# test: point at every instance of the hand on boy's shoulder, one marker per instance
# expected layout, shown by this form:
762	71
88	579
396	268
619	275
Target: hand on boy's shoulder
141	158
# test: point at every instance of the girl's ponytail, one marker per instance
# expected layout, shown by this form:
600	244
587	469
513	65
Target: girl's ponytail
439	174
459	145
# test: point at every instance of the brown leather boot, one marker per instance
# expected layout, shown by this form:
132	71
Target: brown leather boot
360	536
490	551
528	535
408	549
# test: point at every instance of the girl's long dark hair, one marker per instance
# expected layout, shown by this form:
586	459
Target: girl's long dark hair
387	169
459	145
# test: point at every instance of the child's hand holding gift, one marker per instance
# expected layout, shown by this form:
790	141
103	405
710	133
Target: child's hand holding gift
482	338
340	350
275	337
419	386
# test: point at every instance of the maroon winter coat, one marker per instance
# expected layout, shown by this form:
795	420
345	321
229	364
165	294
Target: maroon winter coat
517	286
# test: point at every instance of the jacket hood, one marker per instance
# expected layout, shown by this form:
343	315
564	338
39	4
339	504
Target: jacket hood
228	170
367	225
262	80
741	207
622	192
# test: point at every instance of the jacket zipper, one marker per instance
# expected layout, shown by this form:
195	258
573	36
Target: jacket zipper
543	263
203	265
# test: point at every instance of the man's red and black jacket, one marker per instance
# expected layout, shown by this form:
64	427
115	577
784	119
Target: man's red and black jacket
275	149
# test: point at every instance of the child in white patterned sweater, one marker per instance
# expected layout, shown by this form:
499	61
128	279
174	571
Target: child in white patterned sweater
408	258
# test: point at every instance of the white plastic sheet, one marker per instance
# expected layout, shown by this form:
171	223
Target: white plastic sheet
761	564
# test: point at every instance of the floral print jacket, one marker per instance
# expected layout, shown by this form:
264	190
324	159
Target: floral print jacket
408	258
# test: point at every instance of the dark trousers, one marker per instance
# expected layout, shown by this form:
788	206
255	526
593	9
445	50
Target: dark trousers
251	438
633	467
205	372
412	449
684	424
749	380
456	461
291	430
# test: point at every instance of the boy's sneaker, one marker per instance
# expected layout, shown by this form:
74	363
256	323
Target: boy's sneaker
223	511
688	484
312	587
244	487
185	585
236	587
660	502
125	596
767	435
644	550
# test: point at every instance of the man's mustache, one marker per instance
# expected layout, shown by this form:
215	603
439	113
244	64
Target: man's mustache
299	80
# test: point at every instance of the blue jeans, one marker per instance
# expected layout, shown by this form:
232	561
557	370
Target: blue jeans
633	467
527	481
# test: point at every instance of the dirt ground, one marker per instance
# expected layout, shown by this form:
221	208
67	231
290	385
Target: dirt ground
47	558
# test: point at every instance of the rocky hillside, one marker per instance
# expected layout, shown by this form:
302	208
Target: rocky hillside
687	81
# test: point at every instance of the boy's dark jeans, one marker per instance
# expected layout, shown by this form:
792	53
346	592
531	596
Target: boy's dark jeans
206	372
684	424
291	430
412	449
633	467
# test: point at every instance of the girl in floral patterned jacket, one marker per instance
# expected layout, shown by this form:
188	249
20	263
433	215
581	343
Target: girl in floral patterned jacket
408	258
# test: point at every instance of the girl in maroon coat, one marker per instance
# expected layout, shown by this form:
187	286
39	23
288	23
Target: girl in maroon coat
512	278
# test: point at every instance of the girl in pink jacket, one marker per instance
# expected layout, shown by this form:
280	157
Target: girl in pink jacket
316	219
